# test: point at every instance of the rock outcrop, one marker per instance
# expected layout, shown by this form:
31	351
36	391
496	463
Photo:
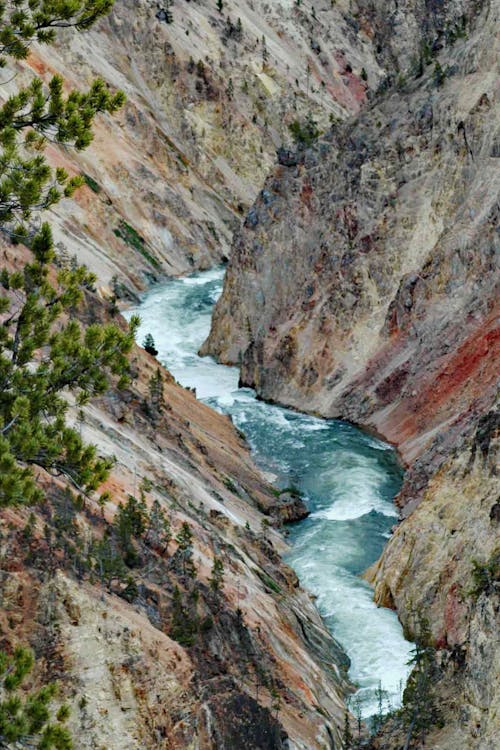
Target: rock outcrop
251	665
208	102
364	285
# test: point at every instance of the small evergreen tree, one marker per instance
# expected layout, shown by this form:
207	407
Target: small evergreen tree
185	537
305	133
347	738
217	578
156	393
158	534
25	717
356	704
130	524
183	628
107	562
381	696
439	74
420	710
184	540
149	345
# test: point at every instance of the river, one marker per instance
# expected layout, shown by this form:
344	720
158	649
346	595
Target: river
347	478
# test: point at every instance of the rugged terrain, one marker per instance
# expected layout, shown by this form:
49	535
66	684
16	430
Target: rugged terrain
361	285
208	103
364	285
251	665
167	182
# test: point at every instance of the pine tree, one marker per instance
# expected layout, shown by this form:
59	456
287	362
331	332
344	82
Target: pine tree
130	524
420	710
156	393
158	534
381	695
356	705
184	540
25	716
347	737
41	359
108	563
217	578
43	356
185	537
149	345
37	112
25	21
183	628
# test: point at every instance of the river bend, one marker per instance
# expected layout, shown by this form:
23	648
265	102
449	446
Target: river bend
347	478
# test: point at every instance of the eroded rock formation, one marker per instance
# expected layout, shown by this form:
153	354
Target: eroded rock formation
364	285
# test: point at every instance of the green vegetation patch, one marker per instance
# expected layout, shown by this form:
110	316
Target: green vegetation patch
91	183
129	235
485	576
268	581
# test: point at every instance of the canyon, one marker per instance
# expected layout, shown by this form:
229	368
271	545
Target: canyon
362	284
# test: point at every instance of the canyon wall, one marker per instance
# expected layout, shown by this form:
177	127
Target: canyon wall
364	285
168	179
153	656
208	102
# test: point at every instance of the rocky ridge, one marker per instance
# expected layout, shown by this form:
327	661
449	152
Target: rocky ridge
208	103
364	285
253	666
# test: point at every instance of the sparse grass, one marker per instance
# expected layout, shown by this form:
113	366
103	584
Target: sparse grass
91	183
228	482
268	581
485	576
129	235
277	492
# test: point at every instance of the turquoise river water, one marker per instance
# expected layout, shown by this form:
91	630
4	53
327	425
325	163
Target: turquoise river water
347	478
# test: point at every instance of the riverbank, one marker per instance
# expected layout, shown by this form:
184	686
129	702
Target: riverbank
348	479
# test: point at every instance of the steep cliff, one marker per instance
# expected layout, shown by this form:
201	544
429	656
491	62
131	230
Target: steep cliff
359	305
209	99
364	285
147	653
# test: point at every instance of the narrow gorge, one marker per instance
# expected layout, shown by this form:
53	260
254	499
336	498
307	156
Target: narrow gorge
265	515
348	481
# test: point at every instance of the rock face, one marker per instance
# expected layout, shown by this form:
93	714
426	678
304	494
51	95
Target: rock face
258	668
208	103
362	282
364	285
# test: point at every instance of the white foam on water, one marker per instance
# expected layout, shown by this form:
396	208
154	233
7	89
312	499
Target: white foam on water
342	473
371	636
355	493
